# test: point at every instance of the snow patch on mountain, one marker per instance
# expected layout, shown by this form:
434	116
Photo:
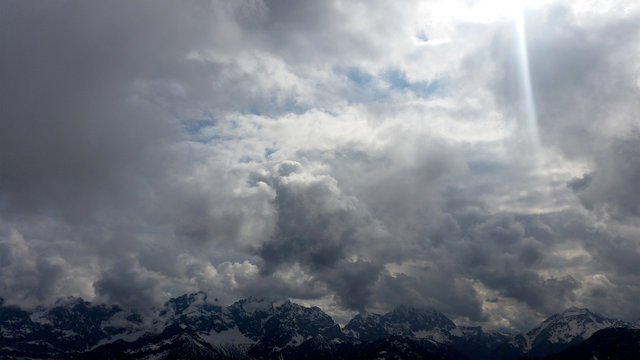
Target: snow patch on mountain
40	316
191	326
567	328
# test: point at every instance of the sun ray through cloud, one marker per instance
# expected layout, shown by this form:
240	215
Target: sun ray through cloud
528	103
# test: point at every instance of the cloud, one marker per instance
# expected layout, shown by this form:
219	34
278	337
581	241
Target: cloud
127	285
610	189
320	229
350	154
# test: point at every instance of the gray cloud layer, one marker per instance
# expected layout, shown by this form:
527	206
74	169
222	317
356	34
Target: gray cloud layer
351	155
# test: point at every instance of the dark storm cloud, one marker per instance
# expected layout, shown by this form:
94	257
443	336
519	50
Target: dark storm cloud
90	96
343	239
320	229
545	295
614	186
449	244
353	282
72	138
439	288
126	285
401	186
610	254
89	99
315	225
505	253
277	287
615	251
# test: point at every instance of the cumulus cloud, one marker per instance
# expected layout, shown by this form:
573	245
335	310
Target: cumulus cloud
353	155
616	175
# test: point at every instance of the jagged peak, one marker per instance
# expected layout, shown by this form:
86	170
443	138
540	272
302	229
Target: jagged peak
363	319
570	312
290	323
563	328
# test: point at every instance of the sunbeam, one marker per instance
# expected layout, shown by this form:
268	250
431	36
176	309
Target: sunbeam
528	104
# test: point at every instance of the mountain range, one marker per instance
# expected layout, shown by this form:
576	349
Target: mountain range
193	327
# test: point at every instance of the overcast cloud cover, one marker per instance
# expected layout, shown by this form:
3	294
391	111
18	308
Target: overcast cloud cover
354	155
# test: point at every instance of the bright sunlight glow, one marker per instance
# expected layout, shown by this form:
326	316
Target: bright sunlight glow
526	87
489	11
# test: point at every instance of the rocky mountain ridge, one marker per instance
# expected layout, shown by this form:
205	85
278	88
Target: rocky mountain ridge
190	326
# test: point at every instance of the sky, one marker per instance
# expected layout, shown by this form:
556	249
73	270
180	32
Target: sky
481	158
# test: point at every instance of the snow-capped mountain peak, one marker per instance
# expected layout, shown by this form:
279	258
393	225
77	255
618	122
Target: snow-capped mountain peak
569	327
365	326
189	326
403	321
